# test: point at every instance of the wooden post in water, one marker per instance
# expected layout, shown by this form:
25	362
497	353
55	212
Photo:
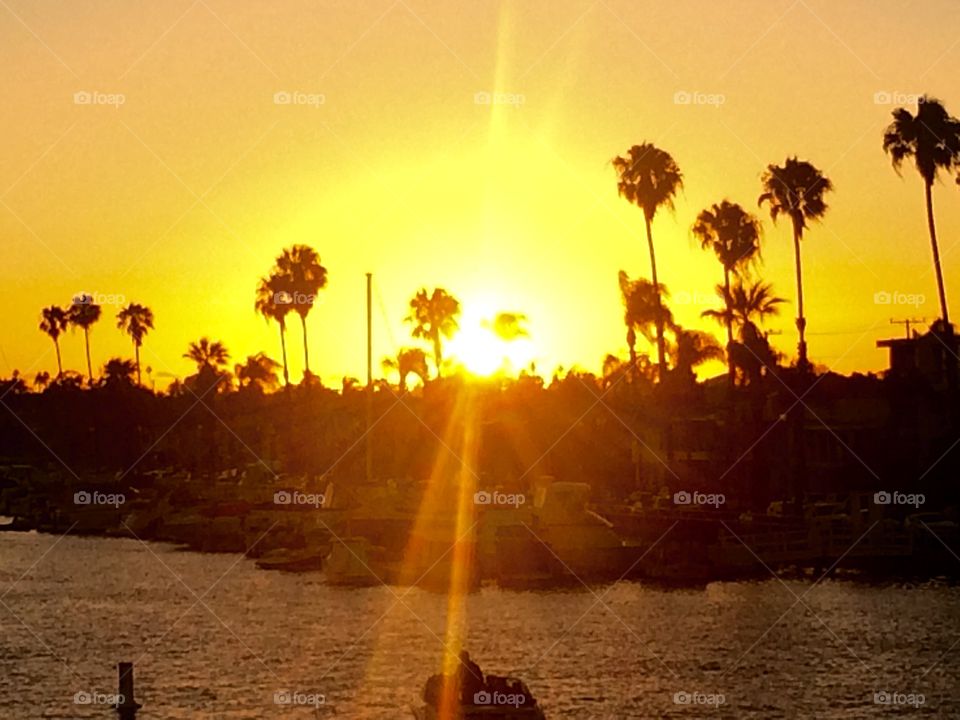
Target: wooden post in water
127	706
368	459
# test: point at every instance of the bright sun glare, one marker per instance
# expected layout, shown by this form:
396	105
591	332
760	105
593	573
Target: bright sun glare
482	352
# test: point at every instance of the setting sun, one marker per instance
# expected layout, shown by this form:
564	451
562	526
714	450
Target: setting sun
492	342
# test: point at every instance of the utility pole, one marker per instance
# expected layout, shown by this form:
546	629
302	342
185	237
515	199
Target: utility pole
907	322
369	439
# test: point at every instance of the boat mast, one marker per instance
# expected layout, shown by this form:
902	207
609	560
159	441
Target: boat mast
369	391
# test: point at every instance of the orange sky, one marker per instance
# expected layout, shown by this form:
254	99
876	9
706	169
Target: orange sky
180	197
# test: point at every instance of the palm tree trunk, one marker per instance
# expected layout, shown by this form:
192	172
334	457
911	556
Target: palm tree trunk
632	344
437	353
283	349
306	352
86	337
729	318
136	352
801	320
936	257
56	344
661	346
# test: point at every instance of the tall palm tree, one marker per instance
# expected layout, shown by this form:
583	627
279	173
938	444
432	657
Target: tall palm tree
300	268
259	373
54	321
650	179
273	302
208	355
932	139
643	312
796	189
434	318
409	361
83	313
136	320
734	236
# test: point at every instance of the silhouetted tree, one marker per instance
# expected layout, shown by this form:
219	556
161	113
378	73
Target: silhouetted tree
642	307
41	381
54	321
409	361
691	349
305	277
136	321
745	302
273	302
509	326
259	373
796	189
434	318
207	354
932	139
734	236
119	372
650	178
83	313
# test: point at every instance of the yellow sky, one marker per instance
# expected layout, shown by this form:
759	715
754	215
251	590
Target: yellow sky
180	197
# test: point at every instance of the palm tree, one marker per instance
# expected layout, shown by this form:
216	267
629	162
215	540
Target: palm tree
300	268
642	307
273	302
796	189
208	355
932	139
508	326
54	321
84	312
744	303
136	320
692	349
650	178
434	317
734	236
259	373
409	361
118	372
41	381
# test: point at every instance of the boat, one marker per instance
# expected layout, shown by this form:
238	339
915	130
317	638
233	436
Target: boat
291	560
501	698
